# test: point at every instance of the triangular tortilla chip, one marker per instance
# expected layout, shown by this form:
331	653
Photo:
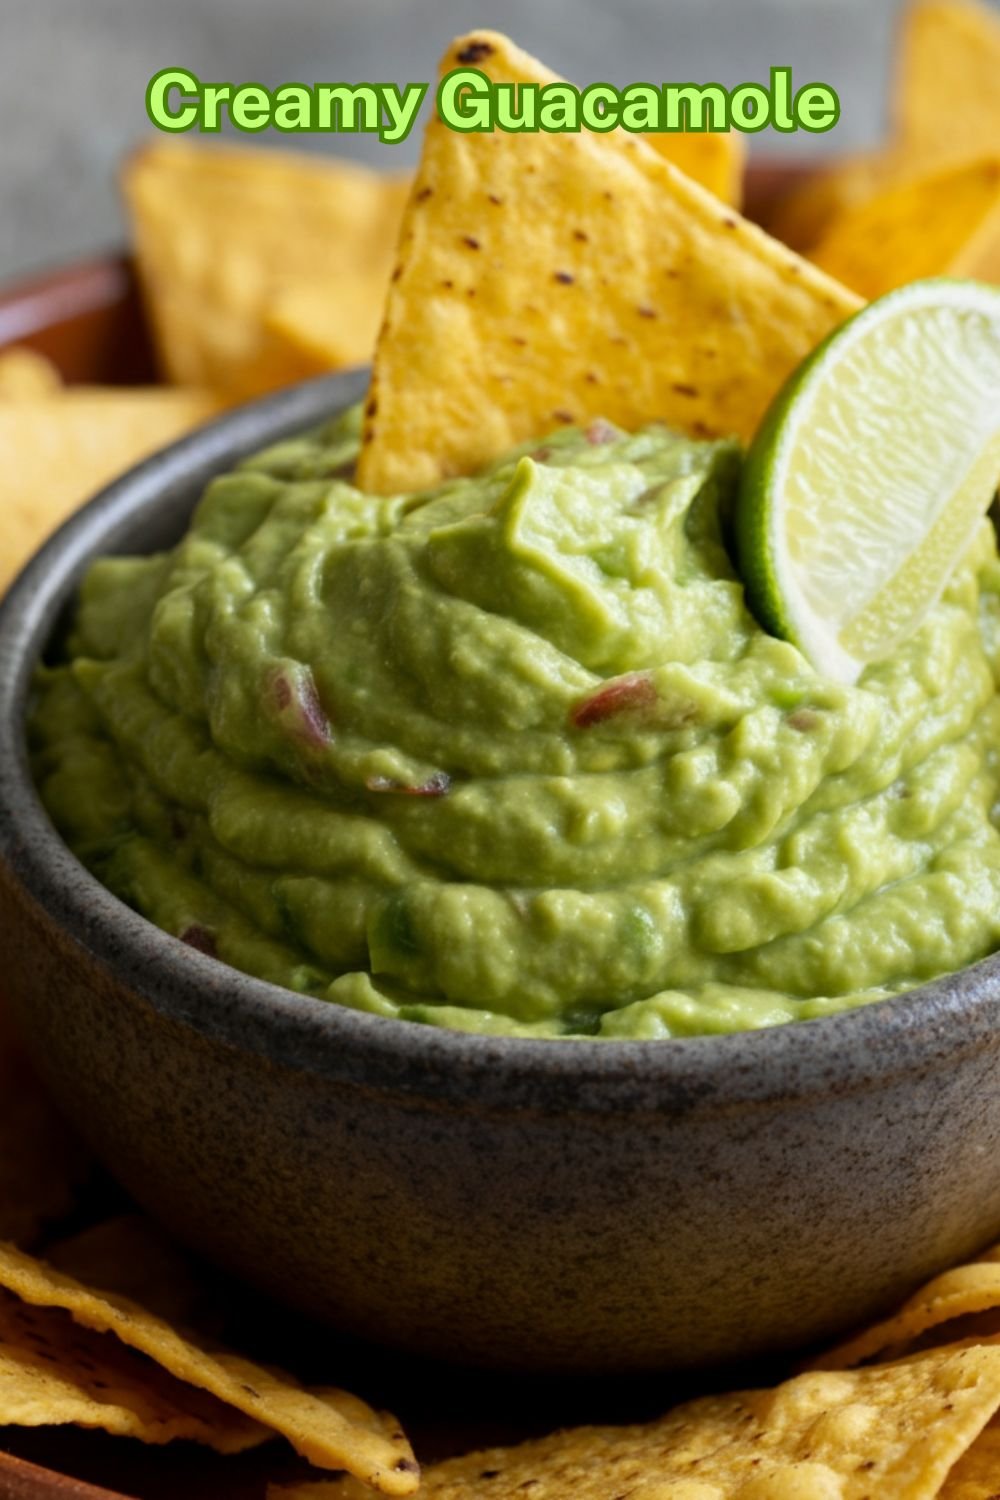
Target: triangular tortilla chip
946	97
334	1430
546	279
893	1432
944	224
57	451
221	231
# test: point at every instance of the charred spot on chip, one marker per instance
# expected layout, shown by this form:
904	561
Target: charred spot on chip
397	272
563	277
493	197
729	221
684	390
562	415
474	52
489	1473
471	241
579	234
372	407
424	193
447	283
406	1466
647	312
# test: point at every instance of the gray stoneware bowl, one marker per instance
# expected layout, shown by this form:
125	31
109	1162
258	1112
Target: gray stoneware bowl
530	1205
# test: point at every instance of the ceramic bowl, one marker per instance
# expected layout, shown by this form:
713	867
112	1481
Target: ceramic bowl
528	1205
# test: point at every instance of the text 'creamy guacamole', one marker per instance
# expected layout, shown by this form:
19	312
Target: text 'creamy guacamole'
515	757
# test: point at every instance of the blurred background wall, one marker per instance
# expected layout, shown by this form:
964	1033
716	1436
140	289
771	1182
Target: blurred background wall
73	75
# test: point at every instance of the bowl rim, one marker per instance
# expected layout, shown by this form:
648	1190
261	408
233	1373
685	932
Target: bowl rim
928	1027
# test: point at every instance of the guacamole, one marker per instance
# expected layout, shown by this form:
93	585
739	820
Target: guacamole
513	755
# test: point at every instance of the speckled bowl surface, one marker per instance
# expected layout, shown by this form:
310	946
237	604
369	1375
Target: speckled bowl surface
522	1204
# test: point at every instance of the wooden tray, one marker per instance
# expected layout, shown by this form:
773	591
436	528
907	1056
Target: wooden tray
88	318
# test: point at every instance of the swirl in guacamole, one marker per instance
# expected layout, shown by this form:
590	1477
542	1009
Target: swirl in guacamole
513	756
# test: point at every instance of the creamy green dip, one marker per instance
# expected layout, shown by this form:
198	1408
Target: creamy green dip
514	756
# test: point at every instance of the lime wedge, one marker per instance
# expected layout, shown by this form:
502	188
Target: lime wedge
871	472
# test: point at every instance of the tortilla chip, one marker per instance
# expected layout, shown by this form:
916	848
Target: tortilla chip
43	1165
53	1372
716	159
58	451
947	112
892	1431
958	1293
546	279
26	373
333	1430
222	232
946	95
946	223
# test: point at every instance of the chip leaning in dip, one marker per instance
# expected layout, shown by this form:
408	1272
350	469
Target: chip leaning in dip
512	755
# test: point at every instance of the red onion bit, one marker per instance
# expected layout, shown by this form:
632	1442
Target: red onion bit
437	785
297	702
633	693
